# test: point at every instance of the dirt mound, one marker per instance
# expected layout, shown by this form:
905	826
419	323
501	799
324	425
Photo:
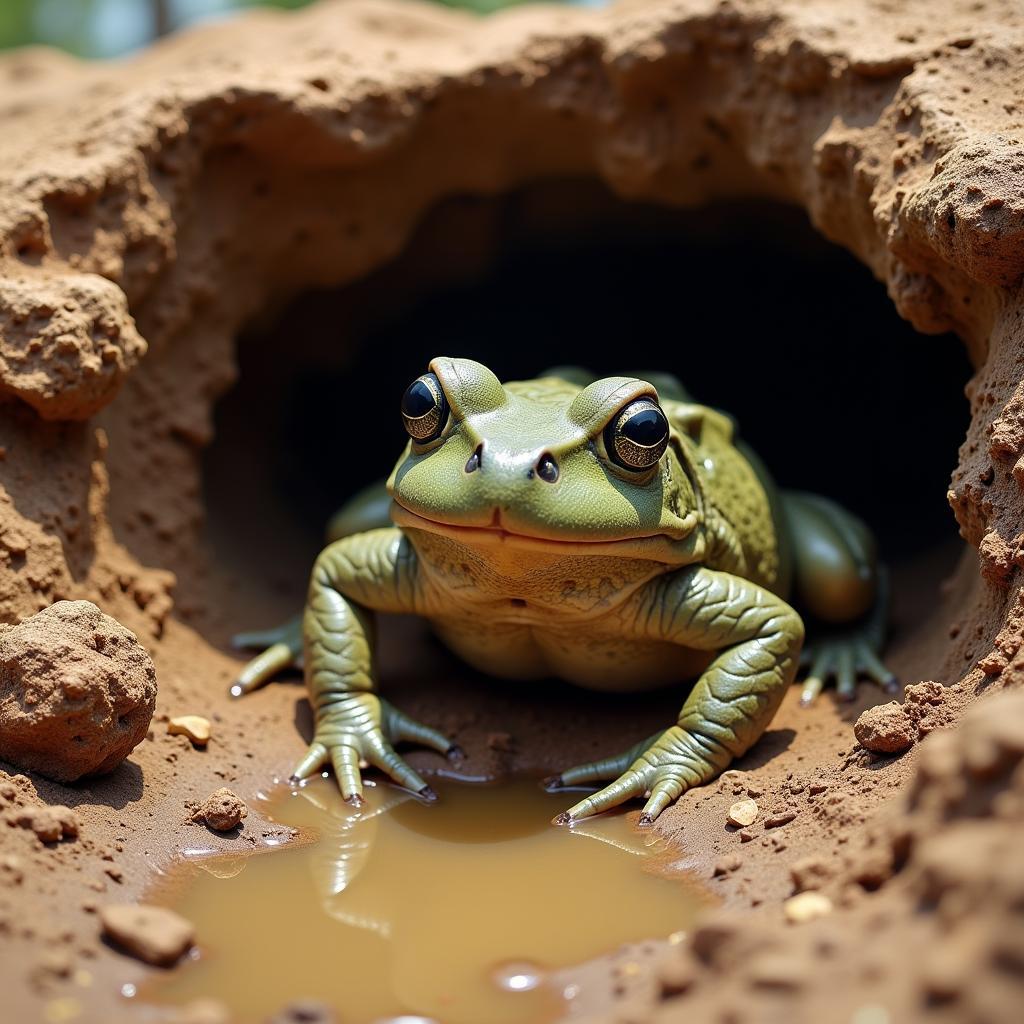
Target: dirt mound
77	692
956	896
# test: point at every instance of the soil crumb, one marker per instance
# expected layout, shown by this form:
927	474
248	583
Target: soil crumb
222	810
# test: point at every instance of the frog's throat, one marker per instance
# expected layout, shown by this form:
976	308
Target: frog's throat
684	549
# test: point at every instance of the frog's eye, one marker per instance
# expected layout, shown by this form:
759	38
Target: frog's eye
424	409
637	436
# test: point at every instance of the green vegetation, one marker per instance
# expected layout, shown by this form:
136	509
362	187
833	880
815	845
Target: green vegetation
105	28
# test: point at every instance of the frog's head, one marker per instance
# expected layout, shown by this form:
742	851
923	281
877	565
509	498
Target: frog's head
543	464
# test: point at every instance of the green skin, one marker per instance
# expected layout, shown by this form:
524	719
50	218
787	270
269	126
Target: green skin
610	579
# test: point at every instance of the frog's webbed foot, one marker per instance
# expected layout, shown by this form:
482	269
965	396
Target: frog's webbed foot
280	648
361	729
662	768
843	655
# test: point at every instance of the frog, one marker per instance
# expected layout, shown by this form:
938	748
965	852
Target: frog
607	531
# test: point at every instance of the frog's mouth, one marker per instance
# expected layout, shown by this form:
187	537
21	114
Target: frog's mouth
655	547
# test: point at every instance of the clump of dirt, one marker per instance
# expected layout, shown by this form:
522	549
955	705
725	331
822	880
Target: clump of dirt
77	692
222	810
49	824
895	727
956	896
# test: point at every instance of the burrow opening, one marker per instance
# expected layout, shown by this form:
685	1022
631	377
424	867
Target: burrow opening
744	301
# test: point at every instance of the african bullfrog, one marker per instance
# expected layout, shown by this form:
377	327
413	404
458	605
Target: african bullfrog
609	532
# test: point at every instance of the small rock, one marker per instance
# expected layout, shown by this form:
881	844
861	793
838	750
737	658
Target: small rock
195	727
783	817
885	729
50	824
153	934
222	810
77	692
746	836
742	813
806	906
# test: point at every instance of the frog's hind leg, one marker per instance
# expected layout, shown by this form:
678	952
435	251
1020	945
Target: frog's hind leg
280	648
839	581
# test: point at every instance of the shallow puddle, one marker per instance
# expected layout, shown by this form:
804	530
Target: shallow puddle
452	912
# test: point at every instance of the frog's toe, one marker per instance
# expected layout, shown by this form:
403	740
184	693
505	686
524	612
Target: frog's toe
382	755
844	661
598	771
872	666
262	669
815	681
316	758
403	728
628	785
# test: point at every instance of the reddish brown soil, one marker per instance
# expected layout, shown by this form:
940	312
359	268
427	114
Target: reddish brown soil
150	209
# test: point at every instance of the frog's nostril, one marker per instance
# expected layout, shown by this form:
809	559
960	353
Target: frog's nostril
475	459
547	468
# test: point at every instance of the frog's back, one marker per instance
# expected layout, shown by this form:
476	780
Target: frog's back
741	502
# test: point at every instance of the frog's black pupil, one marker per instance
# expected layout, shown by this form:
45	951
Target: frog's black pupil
418	400
647	428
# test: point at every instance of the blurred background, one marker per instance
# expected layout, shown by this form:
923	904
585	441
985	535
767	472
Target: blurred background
109	28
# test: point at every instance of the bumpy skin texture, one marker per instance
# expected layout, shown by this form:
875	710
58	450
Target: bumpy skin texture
534	552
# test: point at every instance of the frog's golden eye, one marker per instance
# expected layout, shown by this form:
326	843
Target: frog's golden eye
424	409
637	436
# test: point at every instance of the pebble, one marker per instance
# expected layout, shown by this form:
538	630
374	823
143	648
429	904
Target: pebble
742	813
779	818
222	810
154	935
806	906
195	727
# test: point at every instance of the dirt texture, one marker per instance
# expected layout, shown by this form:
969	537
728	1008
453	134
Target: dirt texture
153	207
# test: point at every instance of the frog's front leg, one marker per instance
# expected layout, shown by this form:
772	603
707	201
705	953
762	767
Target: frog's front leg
352	578
758	637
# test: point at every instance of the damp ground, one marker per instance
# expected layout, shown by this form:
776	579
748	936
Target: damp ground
459	912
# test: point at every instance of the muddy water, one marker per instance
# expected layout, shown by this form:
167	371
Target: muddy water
452	912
